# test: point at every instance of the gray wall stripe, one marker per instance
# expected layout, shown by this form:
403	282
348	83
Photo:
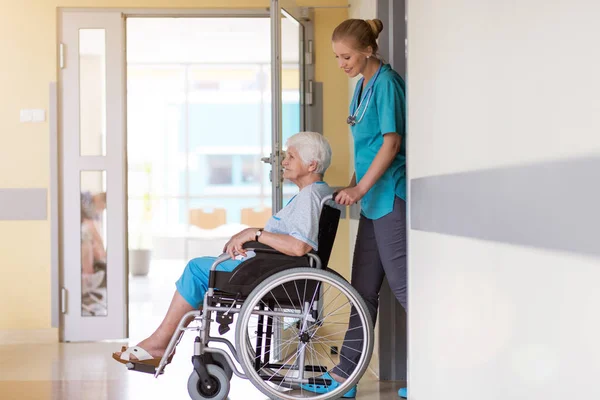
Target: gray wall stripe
551	205
23	204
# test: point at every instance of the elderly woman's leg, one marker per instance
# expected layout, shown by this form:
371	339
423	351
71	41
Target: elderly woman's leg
157	343
191	287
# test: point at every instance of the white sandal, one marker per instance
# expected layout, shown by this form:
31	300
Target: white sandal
143	357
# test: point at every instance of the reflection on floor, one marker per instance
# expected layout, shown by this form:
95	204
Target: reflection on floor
86	371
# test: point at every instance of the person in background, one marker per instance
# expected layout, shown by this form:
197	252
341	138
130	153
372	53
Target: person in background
93	252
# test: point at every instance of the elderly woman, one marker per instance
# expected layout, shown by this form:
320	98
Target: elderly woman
292	231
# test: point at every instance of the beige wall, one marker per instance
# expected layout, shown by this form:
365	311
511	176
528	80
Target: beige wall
31	26
334	124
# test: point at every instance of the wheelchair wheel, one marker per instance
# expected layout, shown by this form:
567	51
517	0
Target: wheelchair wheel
220	385
221	362
314	307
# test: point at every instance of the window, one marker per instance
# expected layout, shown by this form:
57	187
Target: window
251	166
220	169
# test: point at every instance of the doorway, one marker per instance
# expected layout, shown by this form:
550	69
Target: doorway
198	125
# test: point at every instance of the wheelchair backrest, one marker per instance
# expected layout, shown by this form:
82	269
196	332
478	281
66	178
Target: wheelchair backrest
328	225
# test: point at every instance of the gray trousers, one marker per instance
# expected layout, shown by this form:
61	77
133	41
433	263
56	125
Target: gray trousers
380	251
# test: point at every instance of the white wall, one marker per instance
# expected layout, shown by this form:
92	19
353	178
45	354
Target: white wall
493	84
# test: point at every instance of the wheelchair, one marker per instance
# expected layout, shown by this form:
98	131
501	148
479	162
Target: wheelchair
292	315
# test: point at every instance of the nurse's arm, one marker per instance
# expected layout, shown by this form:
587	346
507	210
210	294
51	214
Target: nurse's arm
353	180
381	162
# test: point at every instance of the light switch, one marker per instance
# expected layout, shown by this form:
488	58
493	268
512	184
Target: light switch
26	116
39	115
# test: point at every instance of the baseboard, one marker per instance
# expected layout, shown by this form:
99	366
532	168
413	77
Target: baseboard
22	336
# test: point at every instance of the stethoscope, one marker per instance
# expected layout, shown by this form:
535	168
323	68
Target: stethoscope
351	120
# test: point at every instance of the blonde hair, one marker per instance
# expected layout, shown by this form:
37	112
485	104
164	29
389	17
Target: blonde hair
363	33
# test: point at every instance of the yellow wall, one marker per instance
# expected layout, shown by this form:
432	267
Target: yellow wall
28	29
335	109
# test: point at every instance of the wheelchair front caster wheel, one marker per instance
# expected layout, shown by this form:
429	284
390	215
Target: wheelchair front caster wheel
221	361
219	387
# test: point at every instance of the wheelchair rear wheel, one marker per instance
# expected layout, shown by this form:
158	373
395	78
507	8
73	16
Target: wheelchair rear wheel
220	385
312	308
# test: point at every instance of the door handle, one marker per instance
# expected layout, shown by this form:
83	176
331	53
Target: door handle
267	160
63	300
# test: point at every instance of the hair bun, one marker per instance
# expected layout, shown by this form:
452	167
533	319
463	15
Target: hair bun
376	26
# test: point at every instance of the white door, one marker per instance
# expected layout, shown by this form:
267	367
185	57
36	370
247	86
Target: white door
287	105
92	159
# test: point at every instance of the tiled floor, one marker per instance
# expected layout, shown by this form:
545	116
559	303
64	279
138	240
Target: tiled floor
86	371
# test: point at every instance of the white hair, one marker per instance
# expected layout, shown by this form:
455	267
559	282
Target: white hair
312	146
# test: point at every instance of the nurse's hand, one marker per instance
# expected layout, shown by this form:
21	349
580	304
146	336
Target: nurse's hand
349	196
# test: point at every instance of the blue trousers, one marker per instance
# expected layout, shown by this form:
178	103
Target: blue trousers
193	283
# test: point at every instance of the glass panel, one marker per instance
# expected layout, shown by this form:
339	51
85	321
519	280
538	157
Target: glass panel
220	169
93	243
226	122
155	123
198	124
251	174
92	92
290	88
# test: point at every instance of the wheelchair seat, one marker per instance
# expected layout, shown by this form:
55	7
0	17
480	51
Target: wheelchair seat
268	261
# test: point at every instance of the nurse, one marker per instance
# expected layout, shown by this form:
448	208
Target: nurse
377	120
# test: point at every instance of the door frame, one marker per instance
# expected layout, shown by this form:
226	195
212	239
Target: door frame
393	332
307	75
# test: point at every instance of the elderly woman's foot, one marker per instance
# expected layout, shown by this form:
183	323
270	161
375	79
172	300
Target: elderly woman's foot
145	352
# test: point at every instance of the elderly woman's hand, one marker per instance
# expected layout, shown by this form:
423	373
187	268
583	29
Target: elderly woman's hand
349	195
235	245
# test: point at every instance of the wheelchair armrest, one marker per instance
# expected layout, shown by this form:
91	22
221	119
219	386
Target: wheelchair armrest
258	247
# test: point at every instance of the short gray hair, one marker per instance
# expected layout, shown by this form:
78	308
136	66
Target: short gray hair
312	146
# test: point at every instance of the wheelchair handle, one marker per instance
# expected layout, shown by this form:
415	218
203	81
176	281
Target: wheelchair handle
327	198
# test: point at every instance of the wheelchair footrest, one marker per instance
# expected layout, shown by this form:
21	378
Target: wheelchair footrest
319	381
145	368
307	368
281	379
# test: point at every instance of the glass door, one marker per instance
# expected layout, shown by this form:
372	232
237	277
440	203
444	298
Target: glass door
287	91
92	207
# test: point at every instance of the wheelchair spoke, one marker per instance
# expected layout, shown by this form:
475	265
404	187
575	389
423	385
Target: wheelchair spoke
287	343
343	345
288	296
342	331
298	293
334	311
327	355
304	294
294	356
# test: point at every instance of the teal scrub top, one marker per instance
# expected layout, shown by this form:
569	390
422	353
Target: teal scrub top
381	110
